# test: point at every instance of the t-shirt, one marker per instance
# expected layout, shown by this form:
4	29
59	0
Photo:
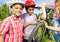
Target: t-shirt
28	18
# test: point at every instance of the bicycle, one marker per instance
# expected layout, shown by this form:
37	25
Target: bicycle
41	26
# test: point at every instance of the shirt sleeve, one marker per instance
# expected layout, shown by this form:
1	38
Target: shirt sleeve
55	23
23	17
35	17
4	27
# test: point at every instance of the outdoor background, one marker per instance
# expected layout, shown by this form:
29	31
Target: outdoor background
4	12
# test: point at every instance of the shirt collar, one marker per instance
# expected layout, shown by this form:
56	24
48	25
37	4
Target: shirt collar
28	14
15	17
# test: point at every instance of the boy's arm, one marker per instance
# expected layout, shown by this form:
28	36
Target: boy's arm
26	24
44	12
2	38
4	27
25	35
3	30
30	23
51	27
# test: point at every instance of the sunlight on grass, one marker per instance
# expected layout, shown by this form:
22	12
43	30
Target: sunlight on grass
45	39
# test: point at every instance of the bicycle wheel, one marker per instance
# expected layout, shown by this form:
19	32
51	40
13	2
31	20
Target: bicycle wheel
38	37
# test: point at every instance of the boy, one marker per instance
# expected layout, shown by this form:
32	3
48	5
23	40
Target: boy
30	19
12	27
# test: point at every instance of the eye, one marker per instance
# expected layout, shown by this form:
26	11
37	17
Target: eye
21	8
16	8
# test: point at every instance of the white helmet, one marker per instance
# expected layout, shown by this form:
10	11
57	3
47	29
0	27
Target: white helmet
11	2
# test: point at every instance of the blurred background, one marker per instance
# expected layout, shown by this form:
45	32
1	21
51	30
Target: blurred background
4	12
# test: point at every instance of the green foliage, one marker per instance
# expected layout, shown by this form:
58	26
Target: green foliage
38	15
50	17
45	37
4	11
51	14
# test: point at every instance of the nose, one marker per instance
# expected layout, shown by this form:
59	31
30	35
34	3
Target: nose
19	10
31	11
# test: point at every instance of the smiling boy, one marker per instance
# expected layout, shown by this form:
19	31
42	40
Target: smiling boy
12	26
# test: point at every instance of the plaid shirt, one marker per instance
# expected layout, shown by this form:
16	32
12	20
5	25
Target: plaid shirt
12	28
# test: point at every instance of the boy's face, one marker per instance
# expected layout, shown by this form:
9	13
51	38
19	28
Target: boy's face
17	10
30	10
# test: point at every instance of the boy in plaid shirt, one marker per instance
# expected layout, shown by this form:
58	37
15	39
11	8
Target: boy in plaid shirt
12	26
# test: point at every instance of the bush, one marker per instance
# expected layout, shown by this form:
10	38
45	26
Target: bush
4	11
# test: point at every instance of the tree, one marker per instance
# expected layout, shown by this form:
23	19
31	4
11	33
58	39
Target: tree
4	11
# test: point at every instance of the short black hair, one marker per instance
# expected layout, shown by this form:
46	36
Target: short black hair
16	4
26	7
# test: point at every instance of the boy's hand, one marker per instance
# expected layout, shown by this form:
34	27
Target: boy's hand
33	38
45	23
42	18
1	38
33	23
30	23
27	36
